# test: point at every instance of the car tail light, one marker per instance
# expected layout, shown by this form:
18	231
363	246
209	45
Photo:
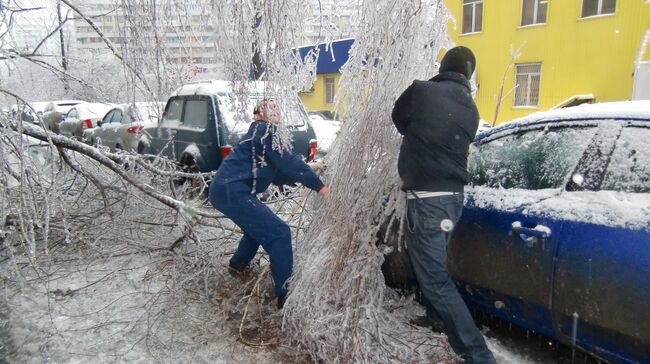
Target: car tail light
225	151
86	124
313	149
134	129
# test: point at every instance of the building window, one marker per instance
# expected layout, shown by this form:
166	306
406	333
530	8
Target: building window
329	90
472	16
598	7
533	12
527	80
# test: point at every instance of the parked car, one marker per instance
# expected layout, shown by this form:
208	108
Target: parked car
326	130
200	125
55	111
483	126
83	116
122	127
29	113
39	108
555	234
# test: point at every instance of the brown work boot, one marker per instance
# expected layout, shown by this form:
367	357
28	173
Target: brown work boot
423	321
241	273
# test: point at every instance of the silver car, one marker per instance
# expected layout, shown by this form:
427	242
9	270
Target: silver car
122	127
81	117
55	111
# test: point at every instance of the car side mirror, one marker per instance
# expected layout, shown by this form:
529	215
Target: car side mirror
99	123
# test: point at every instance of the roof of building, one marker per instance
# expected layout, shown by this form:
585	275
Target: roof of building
331	57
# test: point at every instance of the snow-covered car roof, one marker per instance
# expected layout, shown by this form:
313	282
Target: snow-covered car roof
93	109
67	102
631	110
213	87
39	105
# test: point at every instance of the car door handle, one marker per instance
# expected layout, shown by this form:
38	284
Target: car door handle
539	231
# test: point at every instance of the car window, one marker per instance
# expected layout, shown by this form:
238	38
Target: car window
117	117
172	116
134	114
72	113
64	108
237	117
629	166
534	159
196	113
107	117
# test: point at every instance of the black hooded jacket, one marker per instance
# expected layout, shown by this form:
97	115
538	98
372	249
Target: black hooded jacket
438	119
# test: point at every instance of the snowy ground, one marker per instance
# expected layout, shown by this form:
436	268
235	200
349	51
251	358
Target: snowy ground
119	309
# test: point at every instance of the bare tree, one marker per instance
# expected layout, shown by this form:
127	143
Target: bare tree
514	54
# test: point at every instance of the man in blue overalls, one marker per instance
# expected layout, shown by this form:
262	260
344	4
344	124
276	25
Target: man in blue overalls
251	167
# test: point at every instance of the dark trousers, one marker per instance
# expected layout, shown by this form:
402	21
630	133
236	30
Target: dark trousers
426	241
260	226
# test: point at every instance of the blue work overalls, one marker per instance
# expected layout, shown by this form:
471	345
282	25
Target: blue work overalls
233	190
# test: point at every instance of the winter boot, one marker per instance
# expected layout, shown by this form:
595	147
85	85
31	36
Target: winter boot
241	273
281	300
423	321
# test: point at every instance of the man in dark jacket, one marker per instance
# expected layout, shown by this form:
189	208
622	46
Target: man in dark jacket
251	167
438	119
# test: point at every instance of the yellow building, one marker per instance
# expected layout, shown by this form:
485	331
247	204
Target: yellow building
331	58
570	51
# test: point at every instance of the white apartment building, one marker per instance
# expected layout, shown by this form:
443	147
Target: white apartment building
29	28
182	40
329	20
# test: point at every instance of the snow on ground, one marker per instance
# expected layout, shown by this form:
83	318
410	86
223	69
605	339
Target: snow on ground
509	355
118	309
121	309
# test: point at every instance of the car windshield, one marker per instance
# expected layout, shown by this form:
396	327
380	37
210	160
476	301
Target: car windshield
148	112
293	114
64	108
94	111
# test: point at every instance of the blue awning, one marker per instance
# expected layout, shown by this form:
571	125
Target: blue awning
330	60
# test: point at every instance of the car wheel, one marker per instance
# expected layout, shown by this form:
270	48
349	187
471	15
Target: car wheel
191	186
144	148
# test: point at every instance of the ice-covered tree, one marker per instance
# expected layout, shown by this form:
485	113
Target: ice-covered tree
71	196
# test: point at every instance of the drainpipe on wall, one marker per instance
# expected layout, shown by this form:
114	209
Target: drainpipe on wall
641	82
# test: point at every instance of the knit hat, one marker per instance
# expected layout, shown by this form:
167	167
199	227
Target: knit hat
459	59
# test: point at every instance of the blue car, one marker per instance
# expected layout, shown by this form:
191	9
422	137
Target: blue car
555	234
